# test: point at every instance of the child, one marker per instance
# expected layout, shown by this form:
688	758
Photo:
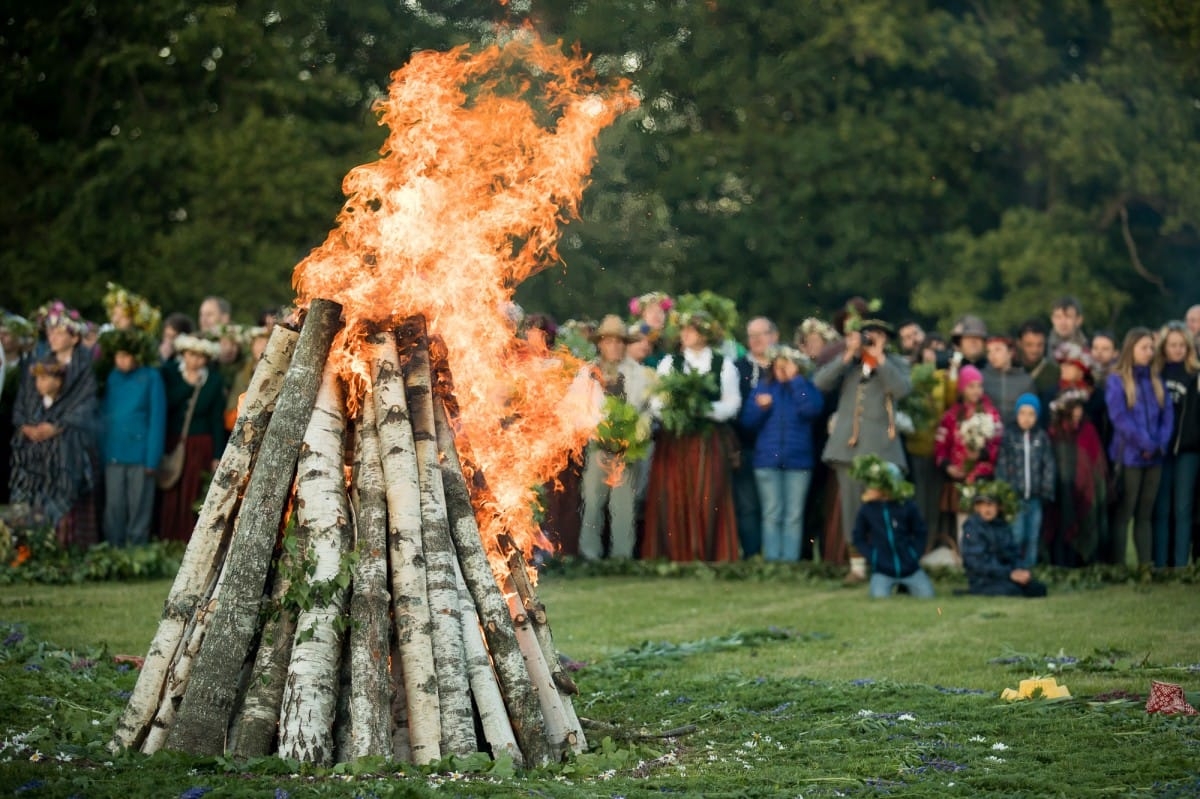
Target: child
889	530
1026	461
967	440
135	418
991	555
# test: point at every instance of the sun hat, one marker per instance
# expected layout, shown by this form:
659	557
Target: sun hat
969	325
611	326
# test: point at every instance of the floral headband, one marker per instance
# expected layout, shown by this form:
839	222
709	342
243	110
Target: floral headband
56	313
142	314
813	325
659	298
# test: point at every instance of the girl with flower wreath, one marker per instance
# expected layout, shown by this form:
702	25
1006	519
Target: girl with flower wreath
54	457
649	313
967	441
1076	523
1142	415
689	501
191	378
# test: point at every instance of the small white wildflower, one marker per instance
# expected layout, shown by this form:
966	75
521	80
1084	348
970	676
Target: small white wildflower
664	692
994	759
865	713
608	775
37	757
977	739
95	722
906	717
999	747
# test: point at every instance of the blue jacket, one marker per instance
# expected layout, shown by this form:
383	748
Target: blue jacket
135	417
783	432
1141	434
1011	463
891	536
990	552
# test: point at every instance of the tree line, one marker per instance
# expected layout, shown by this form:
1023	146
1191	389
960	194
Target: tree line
979	155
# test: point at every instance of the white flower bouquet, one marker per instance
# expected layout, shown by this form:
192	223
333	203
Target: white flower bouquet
977	431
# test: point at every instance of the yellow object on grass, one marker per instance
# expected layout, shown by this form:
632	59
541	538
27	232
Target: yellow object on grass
1037	688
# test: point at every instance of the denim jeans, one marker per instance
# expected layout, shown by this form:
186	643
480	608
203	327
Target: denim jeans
1027	528
1175	500
918	584
782	494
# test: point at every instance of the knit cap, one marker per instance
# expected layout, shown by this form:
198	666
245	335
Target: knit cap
968	375
1031	400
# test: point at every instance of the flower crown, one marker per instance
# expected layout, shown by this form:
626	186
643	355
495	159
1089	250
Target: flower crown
874	472
997	491
812	325
19	328
141	313
57	313
659	298
1068	399
205	346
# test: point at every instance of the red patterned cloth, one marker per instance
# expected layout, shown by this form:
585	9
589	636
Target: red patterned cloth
1167	697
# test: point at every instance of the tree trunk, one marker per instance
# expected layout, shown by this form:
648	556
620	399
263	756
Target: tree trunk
558	731
401	747
449	657
370	612
493	718
203	720
202	560
323	510
409	598
520	697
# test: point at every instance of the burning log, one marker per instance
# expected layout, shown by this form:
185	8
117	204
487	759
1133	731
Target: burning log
207	707
435	647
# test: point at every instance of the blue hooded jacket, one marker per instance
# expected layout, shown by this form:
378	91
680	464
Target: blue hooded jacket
1141	434
891	535
784	430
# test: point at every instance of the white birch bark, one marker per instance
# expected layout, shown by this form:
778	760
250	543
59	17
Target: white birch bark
201	560
485	687
558	730
202	724
445	610
520	696
410	601
370	634
323	510
401	748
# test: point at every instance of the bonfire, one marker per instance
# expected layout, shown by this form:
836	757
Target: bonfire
358	581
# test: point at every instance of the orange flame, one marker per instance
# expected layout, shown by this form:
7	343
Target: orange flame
487	154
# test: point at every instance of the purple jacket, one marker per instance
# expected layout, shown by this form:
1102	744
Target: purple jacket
1141	434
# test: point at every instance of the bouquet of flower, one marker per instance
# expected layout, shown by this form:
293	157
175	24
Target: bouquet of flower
687	401
976	431
622	430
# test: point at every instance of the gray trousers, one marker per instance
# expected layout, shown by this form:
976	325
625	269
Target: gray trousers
599	496
128	504
927	483
850	499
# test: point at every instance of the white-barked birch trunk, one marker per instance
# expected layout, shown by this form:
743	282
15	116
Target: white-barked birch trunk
410	602
323	510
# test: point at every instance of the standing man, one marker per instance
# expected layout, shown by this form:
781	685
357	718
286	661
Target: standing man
215	313
1031	343
1066	317
761	336
609	482
869	384
1003	381
969	337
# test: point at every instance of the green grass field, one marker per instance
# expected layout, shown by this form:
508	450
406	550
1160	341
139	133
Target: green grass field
788	687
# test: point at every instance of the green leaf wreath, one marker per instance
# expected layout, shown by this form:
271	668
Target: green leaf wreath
874	472
687	401
621	432
1001	492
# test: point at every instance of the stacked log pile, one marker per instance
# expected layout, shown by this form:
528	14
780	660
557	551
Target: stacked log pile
336	600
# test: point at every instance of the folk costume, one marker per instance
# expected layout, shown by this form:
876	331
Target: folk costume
689	502
204	440
609	479
57	476
1076	530
865	424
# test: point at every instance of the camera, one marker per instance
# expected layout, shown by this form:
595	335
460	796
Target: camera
868	340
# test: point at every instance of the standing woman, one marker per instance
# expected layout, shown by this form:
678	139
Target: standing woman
186	375
1180	368
689	501
55	458
1142	417
781	413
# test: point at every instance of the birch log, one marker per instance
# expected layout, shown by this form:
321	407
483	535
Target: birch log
370	633
401	748
201	560
520	697
445	610
558	731
323	510
203	719
493	718
258	718
410	602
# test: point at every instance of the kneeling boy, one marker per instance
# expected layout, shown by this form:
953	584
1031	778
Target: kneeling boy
889	530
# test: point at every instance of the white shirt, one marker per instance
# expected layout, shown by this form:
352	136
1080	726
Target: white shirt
728	404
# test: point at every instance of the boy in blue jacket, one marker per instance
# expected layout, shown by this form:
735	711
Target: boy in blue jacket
135	419
889	530
1026	462
991	554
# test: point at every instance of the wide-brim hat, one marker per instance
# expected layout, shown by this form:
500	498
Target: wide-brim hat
202	346
969	325
876	326
611	326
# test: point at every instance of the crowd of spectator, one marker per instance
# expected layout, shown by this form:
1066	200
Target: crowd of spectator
708	449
